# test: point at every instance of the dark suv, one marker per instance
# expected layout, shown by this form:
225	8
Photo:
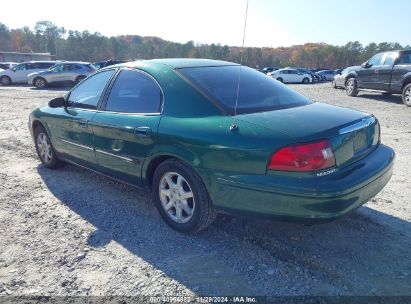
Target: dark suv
388	72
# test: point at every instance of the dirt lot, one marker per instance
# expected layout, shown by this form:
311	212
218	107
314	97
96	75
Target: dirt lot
72	232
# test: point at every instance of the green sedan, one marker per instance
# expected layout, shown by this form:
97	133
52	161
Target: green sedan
207	136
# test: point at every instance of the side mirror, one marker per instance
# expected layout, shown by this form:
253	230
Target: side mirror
366	65
58	102
13	69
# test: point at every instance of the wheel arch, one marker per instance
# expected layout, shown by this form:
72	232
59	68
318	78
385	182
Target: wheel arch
151	164
38	123
349	76
7	76
406	80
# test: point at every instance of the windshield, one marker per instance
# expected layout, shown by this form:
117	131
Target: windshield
257	91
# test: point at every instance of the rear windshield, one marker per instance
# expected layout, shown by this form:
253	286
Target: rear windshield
257	91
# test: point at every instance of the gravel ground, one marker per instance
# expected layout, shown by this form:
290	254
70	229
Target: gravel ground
72	232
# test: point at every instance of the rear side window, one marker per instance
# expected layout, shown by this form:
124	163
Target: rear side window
257	92
134	92
87	94
405	58
390	59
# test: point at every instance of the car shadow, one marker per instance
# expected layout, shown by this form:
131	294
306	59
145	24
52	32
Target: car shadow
56	88
381	97
362	253
62	87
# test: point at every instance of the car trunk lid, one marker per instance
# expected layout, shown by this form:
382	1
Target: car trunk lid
352	134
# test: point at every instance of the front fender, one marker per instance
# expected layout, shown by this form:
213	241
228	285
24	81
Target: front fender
38	116
406	79
352	74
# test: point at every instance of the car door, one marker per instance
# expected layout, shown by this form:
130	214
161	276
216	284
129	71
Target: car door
55	73
126	128
385	72
368	75
19	73
401	68
73	134
285	75
294	76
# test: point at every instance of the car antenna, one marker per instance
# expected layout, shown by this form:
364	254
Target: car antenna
234	126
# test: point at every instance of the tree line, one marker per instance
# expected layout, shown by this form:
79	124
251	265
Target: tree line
47	37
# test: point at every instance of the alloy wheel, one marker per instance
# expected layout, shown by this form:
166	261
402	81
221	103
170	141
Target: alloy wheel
176	196
350	86
44	148
407	97
40	83
5	80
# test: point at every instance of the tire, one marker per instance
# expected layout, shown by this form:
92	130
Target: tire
5	80
306	80
172	181
40	83
406	95
45	150
280	79
80	78
351	87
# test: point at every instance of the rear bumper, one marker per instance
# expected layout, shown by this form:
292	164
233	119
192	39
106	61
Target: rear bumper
310	198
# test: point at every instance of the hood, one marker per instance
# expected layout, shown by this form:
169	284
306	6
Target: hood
314	120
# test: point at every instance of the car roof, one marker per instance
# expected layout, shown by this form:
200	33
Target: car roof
73	62
42	61
178	63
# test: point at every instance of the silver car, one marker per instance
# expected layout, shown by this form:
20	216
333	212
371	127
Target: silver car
20	72
64	72
327	74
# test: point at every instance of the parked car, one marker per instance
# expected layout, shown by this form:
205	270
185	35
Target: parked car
65	72
106	63
7	65
289	75
388	72
168	126
327	74
19	72
267	70
314	77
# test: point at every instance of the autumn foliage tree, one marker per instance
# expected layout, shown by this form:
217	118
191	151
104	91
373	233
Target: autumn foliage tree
86	46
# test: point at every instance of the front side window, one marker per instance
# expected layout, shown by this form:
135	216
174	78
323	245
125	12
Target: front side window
21	67
46	65
134	92
257	92
87	94
376	60
58	68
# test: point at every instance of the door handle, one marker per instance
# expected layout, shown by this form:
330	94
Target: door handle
142	131
83	123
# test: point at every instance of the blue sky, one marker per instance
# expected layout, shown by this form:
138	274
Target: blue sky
270	23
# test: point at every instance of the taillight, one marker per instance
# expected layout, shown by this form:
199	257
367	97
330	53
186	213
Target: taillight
303	157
